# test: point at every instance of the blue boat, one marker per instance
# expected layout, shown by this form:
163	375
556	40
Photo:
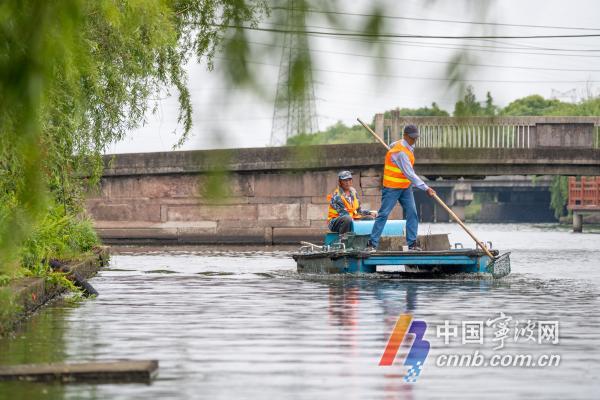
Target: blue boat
347	254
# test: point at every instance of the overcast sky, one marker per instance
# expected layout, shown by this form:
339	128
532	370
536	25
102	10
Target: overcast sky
347	85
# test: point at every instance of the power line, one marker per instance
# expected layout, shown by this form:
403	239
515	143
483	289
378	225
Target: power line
404	35
445	20
512	46
380	94
523	46
454	80
430	78
440	62
253	118
472	48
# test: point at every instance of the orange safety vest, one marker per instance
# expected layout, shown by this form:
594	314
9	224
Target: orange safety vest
393	177
351	208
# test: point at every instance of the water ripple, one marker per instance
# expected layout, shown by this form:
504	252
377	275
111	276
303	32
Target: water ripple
243	323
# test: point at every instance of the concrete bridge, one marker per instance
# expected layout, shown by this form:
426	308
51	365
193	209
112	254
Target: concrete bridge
278	195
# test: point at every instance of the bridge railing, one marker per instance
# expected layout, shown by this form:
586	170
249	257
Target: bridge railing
476	136
496	132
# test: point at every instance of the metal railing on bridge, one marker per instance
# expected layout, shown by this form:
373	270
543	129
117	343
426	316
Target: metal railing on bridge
476	136
497	132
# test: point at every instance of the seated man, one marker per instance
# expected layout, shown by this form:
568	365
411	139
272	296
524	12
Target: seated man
344	206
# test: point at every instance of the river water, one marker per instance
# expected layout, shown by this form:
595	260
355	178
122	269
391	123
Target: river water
241	323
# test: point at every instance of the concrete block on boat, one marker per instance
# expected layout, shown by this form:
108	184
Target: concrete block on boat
438	241
391	243
356	241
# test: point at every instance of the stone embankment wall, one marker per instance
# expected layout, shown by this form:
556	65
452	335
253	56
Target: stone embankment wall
180	197
278	195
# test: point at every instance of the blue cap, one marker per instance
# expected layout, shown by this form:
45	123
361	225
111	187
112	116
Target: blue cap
412	131
344	175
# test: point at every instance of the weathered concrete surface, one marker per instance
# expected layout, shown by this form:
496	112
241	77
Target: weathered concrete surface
434	242
429	161
486	162
277	195
105	371
549	131
276	207
30	293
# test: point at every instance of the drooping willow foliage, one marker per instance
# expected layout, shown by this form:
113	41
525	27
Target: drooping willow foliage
77	75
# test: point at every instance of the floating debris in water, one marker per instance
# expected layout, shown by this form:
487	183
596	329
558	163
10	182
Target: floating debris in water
160	271
214	273
264	275
118	270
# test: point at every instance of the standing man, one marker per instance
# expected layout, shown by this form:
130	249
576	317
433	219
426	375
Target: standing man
344	206
398	179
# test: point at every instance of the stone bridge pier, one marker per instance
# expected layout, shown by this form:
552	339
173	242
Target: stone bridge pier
460	196
457	197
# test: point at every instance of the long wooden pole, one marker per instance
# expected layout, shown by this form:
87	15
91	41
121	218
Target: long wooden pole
435	196
458	221
367	127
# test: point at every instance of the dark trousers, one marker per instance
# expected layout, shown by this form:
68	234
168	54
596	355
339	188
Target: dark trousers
389	198
344	224
341	224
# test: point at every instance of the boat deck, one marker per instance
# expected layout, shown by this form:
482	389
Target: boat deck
352	260
451	257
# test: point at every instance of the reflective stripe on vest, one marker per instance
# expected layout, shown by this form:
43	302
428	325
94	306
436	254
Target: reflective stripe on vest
393	177
351	208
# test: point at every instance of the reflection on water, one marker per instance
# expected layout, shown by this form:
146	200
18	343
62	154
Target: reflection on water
243	324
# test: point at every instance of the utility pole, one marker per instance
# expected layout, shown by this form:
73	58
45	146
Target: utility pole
294	110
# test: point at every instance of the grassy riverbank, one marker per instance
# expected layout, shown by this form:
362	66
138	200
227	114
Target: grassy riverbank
25	295
59	235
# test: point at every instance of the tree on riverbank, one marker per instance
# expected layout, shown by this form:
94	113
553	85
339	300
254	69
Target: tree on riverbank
469	106
75	76
433	111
